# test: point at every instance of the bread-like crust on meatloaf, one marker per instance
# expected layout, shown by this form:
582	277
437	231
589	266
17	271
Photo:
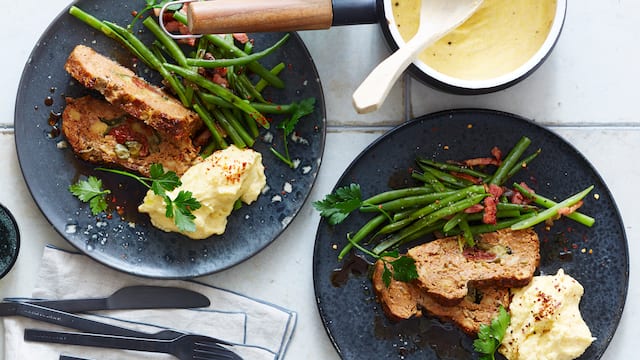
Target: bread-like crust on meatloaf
121	87
85	124
404	300
504	258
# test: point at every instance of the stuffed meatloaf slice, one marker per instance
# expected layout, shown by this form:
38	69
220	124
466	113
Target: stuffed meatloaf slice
504	258
404	300
102	133
122	88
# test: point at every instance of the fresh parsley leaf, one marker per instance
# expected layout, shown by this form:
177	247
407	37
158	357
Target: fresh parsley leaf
404	269
299	110
160	182
490	336
91	191
163	181
338	205
302	108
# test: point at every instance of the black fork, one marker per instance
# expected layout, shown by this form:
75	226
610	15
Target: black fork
185	347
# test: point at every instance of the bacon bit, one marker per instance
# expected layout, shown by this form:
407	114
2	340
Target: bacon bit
475	254
202	138
497	153
494	190
518	198
474	209
481	161
241	37
218	79
490	211
571	209
474	180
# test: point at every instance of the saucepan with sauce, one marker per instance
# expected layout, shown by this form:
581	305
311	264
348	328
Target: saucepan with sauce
501	44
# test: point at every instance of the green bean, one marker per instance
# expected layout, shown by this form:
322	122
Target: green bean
255	66
169	44
220	142
429	179
219	91
517	207
397	194
508	213
552	211
446	201
486	228
432	218
548	203
237	125
454	168
228	128
523	164
454	221
248	87
390	242
405	203
509	161
276	70
244	60
365	230
446	177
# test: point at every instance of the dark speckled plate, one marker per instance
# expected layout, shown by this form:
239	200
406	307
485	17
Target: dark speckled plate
597	257
131	244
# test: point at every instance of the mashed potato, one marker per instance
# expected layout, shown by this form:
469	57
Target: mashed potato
545	321
501	36
217	183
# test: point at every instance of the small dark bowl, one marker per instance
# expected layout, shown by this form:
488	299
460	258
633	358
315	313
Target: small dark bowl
9	241
440	81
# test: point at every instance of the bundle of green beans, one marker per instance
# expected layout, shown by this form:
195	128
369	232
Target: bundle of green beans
231	114
441	203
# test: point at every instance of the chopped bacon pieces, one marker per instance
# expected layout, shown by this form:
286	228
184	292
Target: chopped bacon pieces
571	209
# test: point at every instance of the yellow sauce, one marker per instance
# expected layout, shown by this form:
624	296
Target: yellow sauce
500	37
545	321
217	183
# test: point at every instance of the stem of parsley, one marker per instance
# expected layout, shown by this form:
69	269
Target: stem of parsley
160	182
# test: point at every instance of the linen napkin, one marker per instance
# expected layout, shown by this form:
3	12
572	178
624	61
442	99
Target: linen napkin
257	329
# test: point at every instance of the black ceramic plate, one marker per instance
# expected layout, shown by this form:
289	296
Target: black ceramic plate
132	244
597	257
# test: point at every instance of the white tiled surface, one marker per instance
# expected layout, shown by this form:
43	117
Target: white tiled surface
586	92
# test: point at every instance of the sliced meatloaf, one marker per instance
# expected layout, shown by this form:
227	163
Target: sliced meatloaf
403	300
504	258
103	133
121	87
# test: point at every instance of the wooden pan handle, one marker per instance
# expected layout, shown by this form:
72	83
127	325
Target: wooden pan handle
230	16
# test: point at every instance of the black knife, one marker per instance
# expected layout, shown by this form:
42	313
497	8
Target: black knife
132	297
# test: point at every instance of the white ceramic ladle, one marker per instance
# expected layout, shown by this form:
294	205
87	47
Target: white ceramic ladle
437	18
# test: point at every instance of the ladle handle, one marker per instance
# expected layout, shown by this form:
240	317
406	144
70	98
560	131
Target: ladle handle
372	92
229	16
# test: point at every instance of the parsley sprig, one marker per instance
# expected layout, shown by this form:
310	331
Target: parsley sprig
90	190
181	208
401	268
300	109
335	207
490	336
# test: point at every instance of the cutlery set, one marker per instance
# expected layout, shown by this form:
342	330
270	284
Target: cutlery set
98	334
